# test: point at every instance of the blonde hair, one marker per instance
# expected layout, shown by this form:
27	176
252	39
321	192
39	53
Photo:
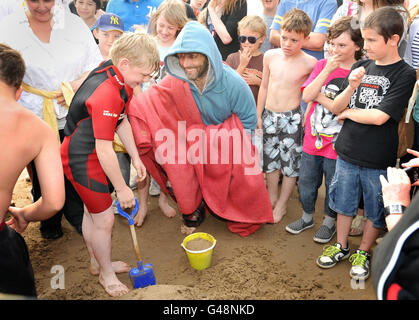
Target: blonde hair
228	7
174	11
139	48
254	24
298	21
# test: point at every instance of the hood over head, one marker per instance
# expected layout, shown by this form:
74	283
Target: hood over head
194	37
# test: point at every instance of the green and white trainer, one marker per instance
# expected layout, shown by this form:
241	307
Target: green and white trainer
360	265
332	254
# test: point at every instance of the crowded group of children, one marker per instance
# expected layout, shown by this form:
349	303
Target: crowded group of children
347	135
347	147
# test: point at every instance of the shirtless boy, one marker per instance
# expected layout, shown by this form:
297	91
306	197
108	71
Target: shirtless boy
24	137
279	114
90	163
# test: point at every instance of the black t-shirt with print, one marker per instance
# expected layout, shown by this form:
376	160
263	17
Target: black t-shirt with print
387	88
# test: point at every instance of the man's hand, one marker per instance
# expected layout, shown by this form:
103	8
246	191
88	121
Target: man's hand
396	188
412	163
18	221
141	171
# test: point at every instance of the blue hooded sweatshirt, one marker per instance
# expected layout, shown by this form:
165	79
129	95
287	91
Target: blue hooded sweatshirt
225	92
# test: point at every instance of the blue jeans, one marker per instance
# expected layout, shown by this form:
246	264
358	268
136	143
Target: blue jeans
312	169
352	181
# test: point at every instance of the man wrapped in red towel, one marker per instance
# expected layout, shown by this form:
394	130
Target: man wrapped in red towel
192	129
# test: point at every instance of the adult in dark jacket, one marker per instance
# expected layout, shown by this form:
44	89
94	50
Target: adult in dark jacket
396	259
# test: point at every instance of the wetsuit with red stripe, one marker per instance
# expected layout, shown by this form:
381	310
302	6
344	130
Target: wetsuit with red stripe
98	107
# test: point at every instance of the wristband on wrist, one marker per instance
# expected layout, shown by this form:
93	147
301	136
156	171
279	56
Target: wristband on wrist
394	209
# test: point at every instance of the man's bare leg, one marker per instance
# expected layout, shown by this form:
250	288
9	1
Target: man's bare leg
280	208
97	235
272	180
165	206
142	201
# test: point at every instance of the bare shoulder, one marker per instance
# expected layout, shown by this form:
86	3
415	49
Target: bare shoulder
309	60
24	124
272	54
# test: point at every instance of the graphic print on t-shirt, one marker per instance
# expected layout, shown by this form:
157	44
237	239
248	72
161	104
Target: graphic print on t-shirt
370	92
323	122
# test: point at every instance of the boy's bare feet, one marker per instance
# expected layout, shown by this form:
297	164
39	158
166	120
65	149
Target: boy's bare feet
165	207
117	266
113	286
140	216
279	212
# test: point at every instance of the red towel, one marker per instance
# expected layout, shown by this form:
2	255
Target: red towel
163	118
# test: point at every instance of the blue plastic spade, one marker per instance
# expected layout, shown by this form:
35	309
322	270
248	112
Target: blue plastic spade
142	275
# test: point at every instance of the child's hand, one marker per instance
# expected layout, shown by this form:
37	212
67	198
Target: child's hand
343	115
259	123
18	221
251	79
355	77
245	57
333	62
125	197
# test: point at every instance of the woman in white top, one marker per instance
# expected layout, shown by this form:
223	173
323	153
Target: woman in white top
58	48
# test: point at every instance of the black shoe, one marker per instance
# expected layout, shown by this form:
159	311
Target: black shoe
52	234
195	218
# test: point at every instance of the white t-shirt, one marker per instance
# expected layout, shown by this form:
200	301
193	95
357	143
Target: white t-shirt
70	52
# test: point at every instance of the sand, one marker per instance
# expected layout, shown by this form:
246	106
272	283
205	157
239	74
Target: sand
269	264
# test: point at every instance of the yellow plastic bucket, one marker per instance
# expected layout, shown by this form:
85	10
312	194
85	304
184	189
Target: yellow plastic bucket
199	260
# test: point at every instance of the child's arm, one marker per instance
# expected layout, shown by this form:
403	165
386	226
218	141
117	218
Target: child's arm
365	116
311	92
342	100
219	26
124	132
325	101
263	90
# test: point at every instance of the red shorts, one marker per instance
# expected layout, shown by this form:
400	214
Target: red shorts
89	180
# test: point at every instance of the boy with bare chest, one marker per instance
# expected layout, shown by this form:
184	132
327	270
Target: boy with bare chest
279	114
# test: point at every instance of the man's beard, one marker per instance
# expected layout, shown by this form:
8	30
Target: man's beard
202	71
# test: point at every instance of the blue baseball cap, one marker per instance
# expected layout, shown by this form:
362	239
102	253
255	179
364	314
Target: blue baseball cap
109	21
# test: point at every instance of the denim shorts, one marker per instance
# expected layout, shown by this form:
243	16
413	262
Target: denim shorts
349	182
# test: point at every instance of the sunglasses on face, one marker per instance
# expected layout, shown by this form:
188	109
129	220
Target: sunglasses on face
251	39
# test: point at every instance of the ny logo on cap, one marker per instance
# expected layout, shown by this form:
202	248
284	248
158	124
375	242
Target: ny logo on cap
114	20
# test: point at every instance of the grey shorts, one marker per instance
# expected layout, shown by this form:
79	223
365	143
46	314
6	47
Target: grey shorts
282	141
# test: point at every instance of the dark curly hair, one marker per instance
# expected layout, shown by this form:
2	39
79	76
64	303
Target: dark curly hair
342	25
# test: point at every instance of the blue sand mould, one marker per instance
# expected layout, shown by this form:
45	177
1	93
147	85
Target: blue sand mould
142	275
